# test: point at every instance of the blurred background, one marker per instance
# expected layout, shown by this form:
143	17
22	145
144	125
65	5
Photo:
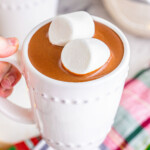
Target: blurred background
131	16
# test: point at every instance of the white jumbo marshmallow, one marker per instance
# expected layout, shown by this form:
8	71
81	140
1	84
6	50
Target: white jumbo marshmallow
65	28
83	56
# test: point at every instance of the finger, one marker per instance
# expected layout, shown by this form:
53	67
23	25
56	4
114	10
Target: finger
4	92
4	68
8	46
11	78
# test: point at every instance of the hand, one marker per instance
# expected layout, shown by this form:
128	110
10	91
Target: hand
9	75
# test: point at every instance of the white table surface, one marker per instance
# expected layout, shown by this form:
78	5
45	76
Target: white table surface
140	58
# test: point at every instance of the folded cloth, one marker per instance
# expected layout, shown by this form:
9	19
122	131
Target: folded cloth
131	129
27	144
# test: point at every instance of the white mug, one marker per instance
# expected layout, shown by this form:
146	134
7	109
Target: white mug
19	17
69	115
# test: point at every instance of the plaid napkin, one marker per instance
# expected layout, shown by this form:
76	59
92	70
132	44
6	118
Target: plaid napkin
131	130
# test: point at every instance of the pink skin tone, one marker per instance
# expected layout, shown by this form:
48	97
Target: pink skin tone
9	75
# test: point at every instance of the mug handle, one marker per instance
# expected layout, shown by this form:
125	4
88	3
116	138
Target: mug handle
14	112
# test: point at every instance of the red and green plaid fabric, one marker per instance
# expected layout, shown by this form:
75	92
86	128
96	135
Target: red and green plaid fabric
131	130
26	145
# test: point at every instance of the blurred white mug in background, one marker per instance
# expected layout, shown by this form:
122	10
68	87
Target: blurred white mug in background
18	17
132	15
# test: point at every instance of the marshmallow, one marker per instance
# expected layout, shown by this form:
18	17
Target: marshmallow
83	56
65	28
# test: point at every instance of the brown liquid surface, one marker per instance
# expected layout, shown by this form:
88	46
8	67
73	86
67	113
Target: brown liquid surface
45	57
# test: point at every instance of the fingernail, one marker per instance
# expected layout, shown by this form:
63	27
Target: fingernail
8	46
8	82
13	42
3	43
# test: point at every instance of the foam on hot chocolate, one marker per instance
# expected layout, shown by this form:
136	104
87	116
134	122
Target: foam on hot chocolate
83	56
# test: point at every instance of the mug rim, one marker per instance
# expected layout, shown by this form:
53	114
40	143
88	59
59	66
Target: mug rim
123	63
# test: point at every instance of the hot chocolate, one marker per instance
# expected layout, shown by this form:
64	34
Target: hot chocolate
45	57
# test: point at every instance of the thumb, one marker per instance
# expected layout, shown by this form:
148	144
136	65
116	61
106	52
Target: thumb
8	46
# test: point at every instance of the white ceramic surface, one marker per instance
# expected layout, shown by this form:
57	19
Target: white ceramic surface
70	115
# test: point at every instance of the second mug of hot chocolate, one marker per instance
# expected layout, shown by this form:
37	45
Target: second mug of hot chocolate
72	112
